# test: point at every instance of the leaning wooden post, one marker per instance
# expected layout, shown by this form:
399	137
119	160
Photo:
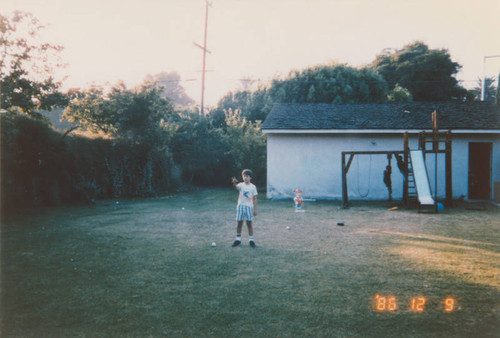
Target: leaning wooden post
344	183
449	186
406	156
435	147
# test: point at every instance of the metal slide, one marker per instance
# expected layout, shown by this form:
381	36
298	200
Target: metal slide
421	178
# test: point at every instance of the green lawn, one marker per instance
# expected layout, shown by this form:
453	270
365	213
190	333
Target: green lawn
147	268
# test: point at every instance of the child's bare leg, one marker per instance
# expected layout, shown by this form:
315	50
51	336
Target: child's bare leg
250	228
239	227
238	233
250	234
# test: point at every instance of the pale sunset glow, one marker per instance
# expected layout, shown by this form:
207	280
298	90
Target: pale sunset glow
113	40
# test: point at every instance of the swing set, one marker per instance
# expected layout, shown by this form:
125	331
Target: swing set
416	185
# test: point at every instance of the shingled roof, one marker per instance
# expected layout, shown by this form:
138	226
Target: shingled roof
407	116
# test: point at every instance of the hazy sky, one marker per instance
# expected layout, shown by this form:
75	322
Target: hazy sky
112	40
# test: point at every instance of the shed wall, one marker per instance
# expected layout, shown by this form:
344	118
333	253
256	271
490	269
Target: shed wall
312	162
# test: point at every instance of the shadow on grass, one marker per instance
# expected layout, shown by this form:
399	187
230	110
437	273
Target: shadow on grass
440	254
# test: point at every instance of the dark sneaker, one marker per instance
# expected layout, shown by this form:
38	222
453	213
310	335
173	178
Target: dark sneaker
236	243
252	244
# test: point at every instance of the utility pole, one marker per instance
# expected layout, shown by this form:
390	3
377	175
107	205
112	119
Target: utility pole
205	51
484	74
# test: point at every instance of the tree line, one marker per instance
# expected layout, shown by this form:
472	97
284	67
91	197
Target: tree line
412	73
148	150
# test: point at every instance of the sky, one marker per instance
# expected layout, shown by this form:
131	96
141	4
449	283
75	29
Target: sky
107	41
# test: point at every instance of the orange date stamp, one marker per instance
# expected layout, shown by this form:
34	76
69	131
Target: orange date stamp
418	304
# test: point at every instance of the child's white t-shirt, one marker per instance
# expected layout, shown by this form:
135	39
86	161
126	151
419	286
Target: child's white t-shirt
247	192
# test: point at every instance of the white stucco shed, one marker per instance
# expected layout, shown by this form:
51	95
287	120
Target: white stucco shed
305	143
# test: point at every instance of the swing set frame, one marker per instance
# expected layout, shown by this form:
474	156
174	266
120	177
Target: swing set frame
423	139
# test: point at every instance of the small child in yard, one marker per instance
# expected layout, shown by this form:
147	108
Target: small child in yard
247	206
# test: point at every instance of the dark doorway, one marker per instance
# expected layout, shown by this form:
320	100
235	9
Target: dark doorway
480	171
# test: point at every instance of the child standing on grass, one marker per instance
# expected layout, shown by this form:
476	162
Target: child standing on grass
247	206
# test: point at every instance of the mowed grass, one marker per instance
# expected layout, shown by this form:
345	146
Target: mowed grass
146	268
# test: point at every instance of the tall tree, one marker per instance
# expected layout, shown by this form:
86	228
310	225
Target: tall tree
247	144
135	114
134	117
427	73
497	98
332	83
171	88
489	89
27	66
198	149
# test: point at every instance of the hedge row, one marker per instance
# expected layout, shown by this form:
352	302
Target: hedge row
42	167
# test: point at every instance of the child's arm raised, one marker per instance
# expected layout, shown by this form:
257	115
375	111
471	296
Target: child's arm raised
234	181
